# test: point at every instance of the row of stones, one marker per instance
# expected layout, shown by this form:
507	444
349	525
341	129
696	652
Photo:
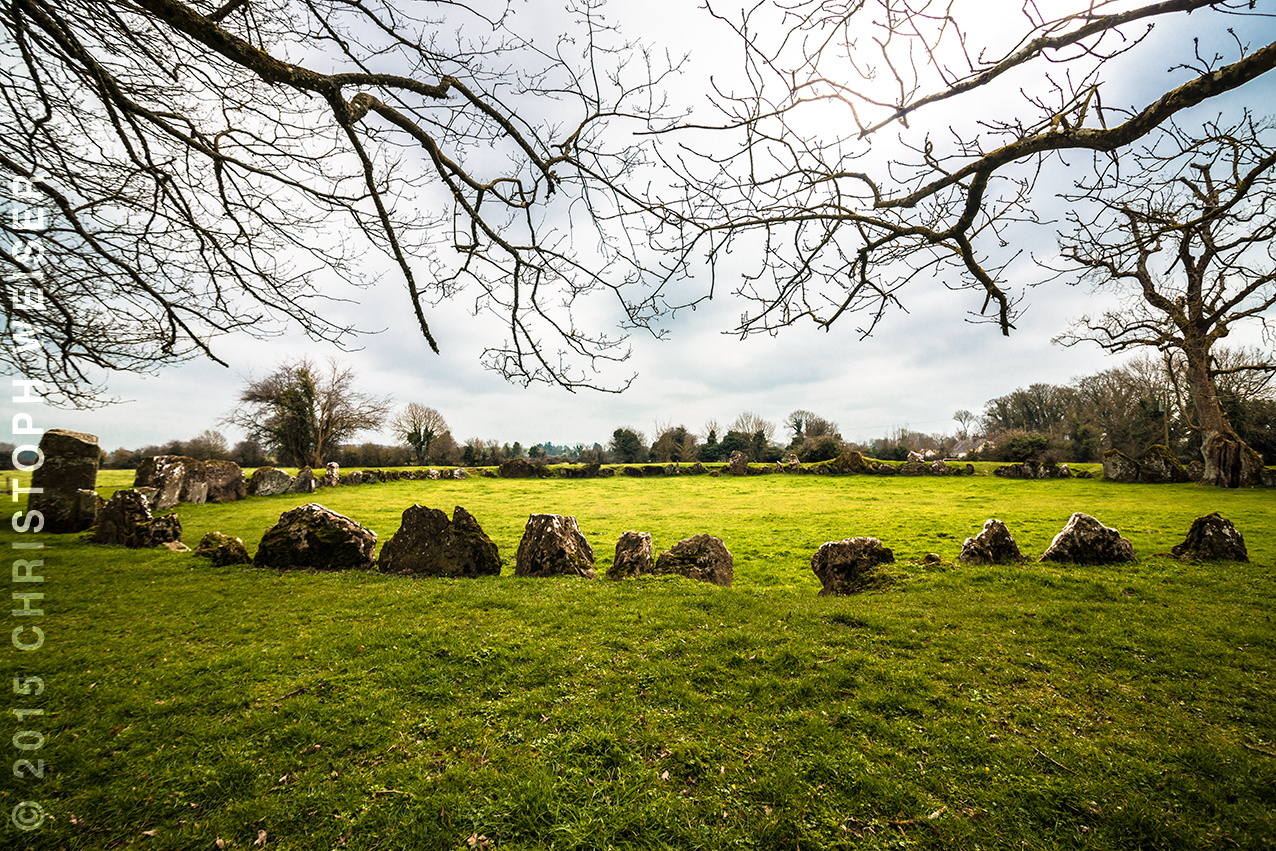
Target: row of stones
429	544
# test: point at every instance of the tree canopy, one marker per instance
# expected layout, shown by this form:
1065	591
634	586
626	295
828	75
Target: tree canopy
190	169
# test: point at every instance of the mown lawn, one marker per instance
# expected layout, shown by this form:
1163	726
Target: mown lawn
963	707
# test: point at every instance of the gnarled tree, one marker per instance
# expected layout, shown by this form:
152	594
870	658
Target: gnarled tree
1186	229
178	170
304	413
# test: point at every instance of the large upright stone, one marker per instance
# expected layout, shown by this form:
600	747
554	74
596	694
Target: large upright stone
69	465
700	557
1087	541
225	480
552	545
312	536
1212	538
848	566
993	545
633	556
428	544
738	463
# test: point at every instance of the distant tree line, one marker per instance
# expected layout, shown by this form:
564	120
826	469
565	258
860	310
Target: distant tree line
306	415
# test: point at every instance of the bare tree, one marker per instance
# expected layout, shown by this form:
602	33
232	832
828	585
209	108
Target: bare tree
749	424
182	170
1186	230
305	414
418	426
964	418
838	226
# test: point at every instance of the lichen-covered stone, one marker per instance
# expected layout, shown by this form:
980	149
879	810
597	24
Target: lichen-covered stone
738	463
1119	467
633	556
700	557
268	481
1087	541
126	520
223	550
312	536
849	566
552	545
1212	538
69	465
993	545
428	544
1159	466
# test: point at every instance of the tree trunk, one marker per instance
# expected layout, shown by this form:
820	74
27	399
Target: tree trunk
1229	461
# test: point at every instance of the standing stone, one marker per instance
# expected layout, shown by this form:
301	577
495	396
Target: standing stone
633	556
225	481
223	550
1212	538
552	545
69	465
738	463
518	468
268	481
312	536
850	461
848	566
126	520
459	473
332	475
1159	466
1087	541
790	462
433	474
304	482
701	557
428	544
1119	467
940	467
993	545
176	478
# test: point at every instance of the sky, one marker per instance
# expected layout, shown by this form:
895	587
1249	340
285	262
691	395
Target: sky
917	369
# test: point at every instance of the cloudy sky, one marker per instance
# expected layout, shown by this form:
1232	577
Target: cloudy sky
917	369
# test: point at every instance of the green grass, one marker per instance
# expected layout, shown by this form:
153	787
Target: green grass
963	707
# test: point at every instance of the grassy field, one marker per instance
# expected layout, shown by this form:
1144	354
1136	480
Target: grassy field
962	707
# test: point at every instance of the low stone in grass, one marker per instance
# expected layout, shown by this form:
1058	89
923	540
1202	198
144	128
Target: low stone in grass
314	537
1087	541
849	566
428	544
703	558
633	556
552	545
223	550
1212	538
993	545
